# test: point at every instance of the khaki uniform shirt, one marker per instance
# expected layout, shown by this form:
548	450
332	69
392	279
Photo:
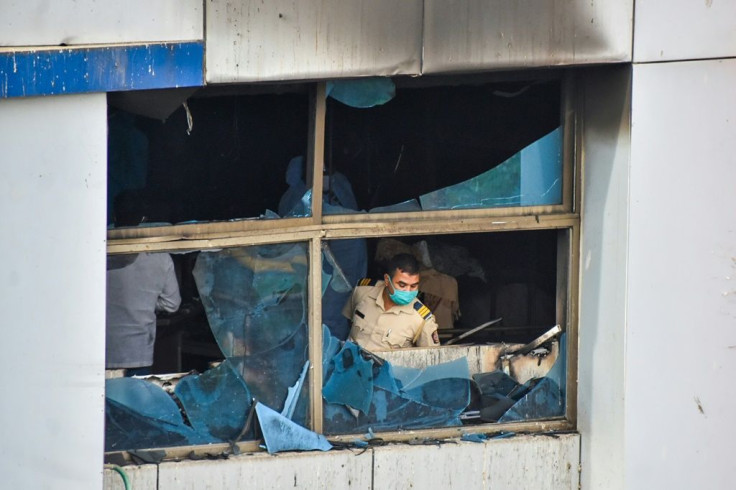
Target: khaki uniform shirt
376	329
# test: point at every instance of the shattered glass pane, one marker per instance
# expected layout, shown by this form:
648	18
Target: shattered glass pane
346	261
126	428
216	402
255	299
256	305
436	397
530	177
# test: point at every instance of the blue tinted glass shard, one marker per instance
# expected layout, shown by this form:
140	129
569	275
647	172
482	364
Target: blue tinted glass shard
255	301
281	434
450	393
530	177
126	429
347	262
438	397
402	207
269	374
362	93
388	411
216	402
405	375
543	401
147	399
254	297
453	369
383	377
294	392
351	382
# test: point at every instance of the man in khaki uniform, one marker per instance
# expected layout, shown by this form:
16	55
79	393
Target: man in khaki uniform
386	315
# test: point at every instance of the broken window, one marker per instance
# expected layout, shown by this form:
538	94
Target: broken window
416	147
261	345
213	158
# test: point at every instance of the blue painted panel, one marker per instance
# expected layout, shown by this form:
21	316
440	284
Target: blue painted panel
101	69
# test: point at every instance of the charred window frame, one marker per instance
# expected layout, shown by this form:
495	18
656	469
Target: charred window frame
564	217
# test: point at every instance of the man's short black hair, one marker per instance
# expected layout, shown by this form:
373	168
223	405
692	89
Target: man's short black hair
404	262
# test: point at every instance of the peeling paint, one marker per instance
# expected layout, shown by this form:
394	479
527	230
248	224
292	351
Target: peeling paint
101	69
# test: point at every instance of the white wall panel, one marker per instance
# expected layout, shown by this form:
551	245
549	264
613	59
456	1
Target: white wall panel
606	150
252	40
53	22
680	353
467	35
144	477
668	30
52	291
309	470
519	463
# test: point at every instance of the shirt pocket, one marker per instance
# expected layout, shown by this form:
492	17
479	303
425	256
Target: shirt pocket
396	340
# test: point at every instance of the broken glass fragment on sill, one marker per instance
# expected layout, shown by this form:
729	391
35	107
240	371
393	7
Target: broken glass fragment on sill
531	177
216	402
542	401
436	397
143	397
126	428
281	434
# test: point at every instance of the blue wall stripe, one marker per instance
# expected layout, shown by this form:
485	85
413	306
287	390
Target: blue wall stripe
101	69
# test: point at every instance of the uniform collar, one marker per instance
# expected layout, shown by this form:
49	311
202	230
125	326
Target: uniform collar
377	294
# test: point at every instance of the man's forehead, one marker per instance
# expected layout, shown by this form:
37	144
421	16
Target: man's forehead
402	276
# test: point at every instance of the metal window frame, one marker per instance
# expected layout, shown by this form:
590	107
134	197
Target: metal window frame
317	228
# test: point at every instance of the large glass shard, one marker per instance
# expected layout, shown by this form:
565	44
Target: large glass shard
452	369
436	396
388	411
126	429
281	434
148	399
351	382
216	402
346	261
255	301
530	177
254	297
543	401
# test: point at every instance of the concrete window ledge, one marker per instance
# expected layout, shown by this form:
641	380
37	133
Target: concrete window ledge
522	462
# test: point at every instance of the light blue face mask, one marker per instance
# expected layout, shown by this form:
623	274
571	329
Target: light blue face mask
402	297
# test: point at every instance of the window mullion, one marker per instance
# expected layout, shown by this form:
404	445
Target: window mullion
315	332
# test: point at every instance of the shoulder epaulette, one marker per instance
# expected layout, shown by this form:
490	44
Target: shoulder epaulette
368	282
423	311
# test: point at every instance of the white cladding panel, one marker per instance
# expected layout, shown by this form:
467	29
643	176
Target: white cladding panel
681	338
606	150
668	30
52	291
252	40
467	35
71	22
